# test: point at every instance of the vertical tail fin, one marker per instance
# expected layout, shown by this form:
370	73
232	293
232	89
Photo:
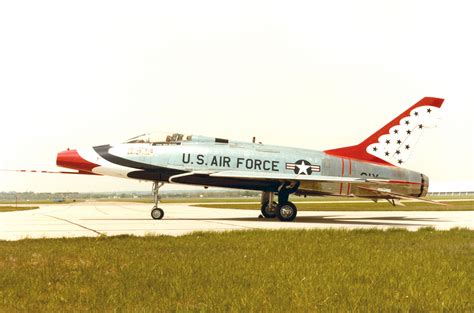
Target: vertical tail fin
394	143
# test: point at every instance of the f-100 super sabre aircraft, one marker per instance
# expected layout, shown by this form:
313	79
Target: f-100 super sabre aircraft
370	169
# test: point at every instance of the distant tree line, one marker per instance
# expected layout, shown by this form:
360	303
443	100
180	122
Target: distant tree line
57	196
219	193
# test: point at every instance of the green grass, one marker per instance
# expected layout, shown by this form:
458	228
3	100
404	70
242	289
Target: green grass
15	208
441	197
381	206
257	271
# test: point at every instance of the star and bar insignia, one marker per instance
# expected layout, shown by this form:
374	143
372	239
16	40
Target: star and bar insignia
303	167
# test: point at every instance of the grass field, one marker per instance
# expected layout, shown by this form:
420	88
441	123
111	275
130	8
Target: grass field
363	206
257	271
16	208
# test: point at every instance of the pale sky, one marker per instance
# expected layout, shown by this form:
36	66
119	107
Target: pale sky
309	74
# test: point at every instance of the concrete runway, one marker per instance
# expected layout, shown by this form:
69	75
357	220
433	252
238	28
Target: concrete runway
94	219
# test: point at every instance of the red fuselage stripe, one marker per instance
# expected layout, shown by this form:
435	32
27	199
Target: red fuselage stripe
403	182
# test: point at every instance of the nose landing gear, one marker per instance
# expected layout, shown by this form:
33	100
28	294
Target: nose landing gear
156	212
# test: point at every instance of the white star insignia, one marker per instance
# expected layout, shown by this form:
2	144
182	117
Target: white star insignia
303	168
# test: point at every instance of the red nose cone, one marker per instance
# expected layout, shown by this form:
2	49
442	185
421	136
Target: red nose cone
71	159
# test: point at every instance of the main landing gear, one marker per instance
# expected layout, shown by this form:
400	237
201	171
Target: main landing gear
269	206
284	210
156	212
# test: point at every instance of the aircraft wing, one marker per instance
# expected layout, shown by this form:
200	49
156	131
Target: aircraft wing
295	177
385	193
361	183
286	177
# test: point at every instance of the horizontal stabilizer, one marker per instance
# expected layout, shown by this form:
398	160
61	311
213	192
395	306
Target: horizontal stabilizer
394	195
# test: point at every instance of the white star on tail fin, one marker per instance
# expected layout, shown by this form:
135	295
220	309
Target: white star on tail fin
397	145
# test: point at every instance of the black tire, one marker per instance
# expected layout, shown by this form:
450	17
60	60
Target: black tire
269	211
157	213
286	212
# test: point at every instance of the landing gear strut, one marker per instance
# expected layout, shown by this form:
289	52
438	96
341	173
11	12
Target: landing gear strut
156	212
269	206
284	210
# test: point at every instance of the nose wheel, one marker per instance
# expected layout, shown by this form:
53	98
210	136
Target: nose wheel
156	212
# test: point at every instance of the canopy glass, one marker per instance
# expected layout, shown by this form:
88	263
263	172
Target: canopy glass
159	138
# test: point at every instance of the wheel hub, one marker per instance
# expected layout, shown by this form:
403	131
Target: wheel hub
270	209
157	213
286	211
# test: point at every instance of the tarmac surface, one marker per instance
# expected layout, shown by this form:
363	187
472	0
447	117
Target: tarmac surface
103	218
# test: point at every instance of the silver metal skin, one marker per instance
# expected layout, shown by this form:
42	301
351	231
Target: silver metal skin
204	162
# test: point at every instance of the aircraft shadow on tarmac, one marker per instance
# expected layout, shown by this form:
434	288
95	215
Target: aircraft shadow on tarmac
335	220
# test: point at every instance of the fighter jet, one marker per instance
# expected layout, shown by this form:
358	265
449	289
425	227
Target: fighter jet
371	169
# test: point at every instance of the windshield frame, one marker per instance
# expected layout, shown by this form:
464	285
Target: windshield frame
159	138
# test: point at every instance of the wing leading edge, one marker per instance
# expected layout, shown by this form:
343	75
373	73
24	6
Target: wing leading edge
284	177
312	178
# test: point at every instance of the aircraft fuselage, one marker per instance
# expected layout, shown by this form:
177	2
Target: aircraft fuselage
171	163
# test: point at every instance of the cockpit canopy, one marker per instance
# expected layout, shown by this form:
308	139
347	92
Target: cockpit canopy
160	138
